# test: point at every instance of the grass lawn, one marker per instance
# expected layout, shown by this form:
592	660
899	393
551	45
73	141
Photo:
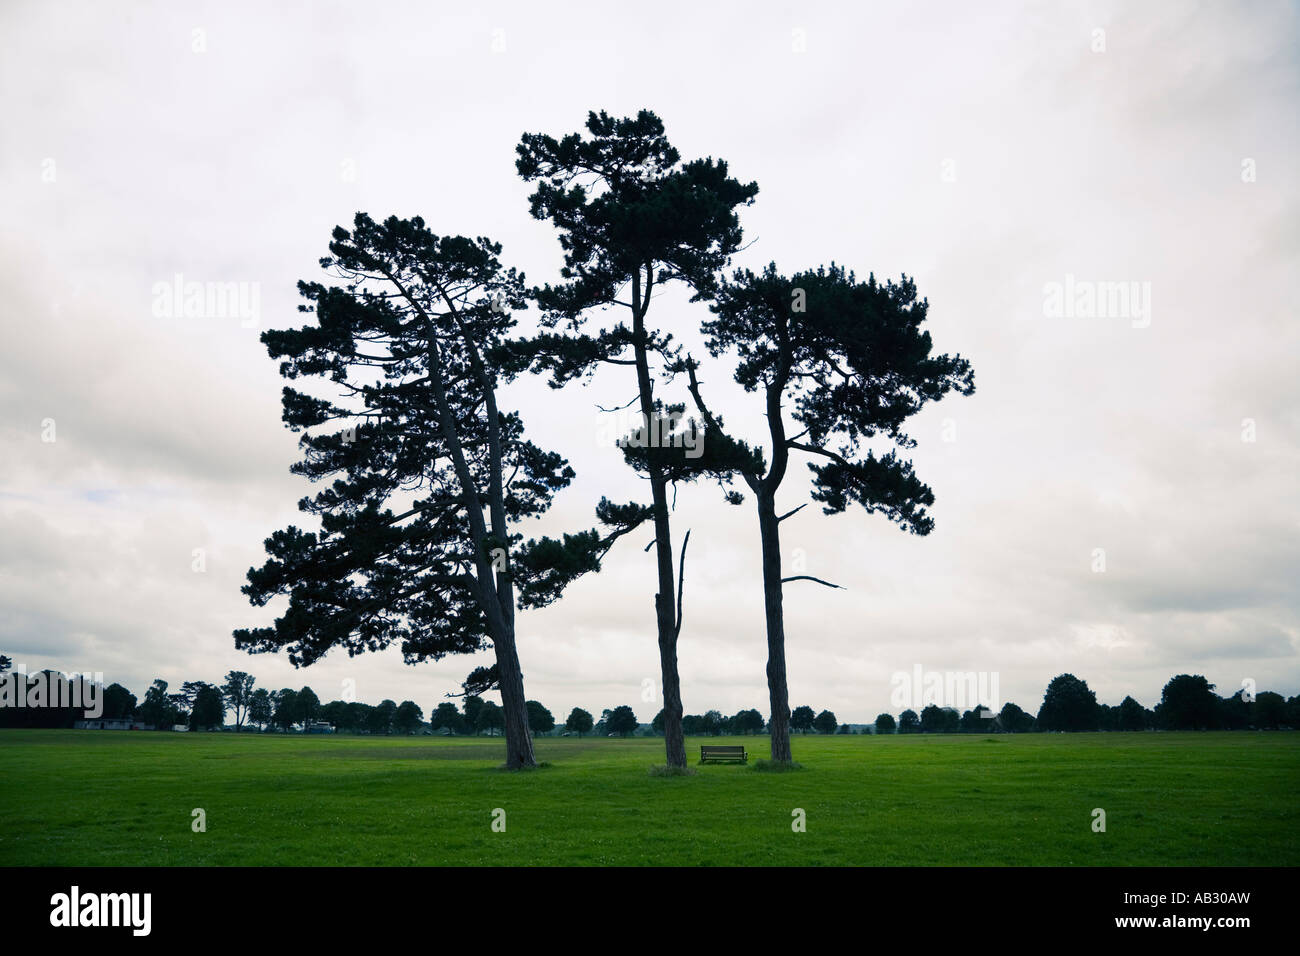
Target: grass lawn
92	798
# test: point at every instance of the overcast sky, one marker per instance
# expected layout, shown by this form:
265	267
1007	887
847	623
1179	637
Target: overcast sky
988	150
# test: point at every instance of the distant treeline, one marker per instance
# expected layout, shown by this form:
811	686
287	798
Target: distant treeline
1187	702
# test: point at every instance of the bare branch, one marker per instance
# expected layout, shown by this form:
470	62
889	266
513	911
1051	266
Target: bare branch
809	577
681	579
791	512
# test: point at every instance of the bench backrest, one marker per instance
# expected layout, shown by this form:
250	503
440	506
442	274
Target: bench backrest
721	750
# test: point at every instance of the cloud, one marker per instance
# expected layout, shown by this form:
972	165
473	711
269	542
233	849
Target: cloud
986	159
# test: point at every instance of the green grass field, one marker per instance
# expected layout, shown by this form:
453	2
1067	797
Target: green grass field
88	798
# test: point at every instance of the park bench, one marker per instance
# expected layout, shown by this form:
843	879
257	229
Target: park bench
708	753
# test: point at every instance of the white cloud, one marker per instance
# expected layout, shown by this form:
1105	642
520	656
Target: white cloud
233	164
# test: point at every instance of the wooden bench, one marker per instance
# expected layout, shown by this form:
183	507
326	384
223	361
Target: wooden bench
708	753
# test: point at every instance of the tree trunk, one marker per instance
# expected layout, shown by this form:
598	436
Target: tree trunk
519	742
778	692
665	619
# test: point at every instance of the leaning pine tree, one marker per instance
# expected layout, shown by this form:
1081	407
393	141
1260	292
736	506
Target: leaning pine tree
429	477
633	218
850	362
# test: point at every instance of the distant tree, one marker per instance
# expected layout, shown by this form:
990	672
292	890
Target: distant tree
885	724
622	720
579	722
382	717
540	720
157	708
802	719
119	703
1068	704
358	716
747	722
940	720
5	663
657	725
189	690
286	708
909	722
490	718
238	692
1107	717
1013	720
447	717
1130	715
1188	702
260	707
472	706
693	725
306	706
407	717
335	713
712	723
825	722
1235	712
209	710
1270	710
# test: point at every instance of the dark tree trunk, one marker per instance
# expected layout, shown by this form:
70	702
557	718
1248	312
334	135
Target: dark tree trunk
666	623
519	741
778	692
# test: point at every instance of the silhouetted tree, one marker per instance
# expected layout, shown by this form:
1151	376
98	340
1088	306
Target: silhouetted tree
472	705
1188	702
306	706
1130	715
885	724
747	722
490	718
260	707
909	722
208	710
381	717
238	693
1068	704
408	717
446	717
404	340
630	213
118	702
157	708
579	722
540	720
939	720
286	708
621	720
825	722
1013	720
802	719
1269	710
336	714
851	361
